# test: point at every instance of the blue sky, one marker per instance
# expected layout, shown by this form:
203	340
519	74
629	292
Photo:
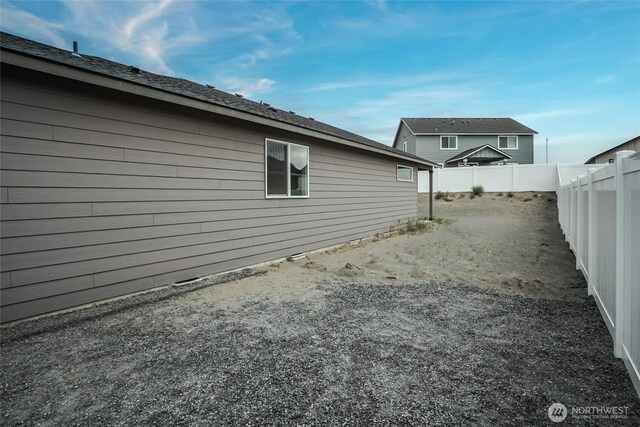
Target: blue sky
570	70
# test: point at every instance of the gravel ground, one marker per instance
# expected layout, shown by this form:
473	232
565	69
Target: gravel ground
345	353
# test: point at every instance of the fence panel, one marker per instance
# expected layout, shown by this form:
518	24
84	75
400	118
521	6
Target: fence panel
605	255
600	216
502	178
631	269
583	230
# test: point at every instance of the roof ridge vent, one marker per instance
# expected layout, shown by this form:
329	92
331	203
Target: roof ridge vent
75	49
210	87
134	69
238	95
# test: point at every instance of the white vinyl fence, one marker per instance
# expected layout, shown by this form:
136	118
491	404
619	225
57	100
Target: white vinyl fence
599	213
505	178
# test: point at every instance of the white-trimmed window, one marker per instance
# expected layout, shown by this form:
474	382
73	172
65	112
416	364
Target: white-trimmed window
286	169
448	142
404	146
404	173
508	142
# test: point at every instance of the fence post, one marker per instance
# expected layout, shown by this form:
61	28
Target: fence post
431	194
513	178
591	226
620	326
579	220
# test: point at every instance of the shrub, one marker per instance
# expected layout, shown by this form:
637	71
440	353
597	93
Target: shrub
441	195
477	190
443	221
499	194
527	199
509	194
417	228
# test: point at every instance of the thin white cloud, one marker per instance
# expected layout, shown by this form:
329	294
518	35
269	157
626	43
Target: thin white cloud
149	34
131	27
552	114
609	78
410	80
19	21
250	59
246	87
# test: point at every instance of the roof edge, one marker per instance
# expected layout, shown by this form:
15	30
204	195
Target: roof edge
27	61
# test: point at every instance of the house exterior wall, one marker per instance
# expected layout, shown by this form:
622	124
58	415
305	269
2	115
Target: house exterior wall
609	155
404	134
104	194
428	147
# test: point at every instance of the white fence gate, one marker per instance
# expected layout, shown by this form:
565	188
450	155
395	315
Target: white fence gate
599	214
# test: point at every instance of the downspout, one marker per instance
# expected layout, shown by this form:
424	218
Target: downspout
431	194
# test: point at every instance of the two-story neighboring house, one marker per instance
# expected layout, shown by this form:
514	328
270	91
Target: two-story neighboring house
456	142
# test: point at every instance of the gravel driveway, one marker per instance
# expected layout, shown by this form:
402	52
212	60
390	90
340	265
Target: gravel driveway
346	353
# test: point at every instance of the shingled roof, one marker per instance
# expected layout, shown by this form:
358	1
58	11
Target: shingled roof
461	126
186	88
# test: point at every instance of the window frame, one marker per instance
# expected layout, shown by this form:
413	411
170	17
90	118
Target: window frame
406	167
266	171
507	147
404	146
449	136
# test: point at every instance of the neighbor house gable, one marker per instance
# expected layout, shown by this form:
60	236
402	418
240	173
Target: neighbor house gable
485	152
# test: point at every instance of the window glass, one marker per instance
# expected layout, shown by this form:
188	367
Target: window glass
276	169
287	169
299	167
404	173
449	142
508	142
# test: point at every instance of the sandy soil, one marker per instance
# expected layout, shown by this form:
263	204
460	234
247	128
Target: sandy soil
512	244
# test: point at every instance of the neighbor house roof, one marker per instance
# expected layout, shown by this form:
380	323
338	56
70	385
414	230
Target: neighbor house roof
471	151
461	126
611	149
185	88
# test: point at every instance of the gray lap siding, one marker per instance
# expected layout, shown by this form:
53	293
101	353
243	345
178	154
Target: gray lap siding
106	194
428	146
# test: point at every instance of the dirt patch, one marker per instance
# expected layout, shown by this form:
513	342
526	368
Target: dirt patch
498	242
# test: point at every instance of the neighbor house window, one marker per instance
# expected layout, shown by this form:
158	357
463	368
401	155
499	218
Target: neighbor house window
449	142
508	142
404	173
287	169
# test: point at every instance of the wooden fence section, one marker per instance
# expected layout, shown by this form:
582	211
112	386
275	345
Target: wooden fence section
599	214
